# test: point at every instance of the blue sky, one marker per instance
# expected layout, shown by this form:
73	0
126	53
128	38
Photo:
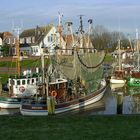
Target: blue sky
123	15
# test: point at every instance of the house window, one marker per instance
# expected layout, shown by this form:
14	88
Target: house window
13	40
7	40
49	39
36	50
33	39
28	40
22	40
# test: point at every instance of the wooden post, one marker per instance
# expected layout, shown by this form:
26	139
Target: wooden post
0	86
51	105
119	102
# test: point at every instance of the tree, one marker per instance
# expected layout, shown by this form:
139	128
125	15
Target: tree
5	50
102	39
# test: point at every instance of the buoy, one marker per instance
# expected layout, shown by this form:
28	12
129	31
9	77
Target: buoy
22	89
54	93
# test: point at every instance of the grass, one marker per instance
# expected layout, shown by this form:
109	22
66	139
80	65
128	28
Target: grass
70	128
24	63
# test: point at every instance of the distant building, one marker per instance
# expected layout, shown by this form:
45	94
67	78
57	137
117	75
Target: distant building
7	38
0	39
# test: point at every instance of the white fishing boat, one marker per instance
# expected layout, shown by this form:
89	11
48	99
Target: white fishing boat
118	73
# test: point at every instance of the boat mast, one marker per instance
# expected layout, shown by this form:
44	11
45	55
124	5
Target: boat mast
59	29
69	33
17	52
90	28
137	45
81	32
119	44
43	68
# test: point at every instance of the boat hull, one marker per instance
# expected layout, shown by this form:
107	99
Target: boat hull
134	90
117	81
9	103
116	86
41	110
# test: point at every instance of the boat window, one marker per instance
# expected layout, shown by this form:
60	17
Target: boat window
57	86
28	81
33	81
18	82
23	82
37	79
12	82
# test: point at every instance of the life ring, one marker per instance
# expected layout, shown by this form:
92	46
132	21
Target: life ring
22	89
54	93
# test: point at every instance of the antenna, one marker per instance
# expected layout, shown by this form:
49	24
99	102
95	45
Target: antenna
69	32
59	28
129	39
60	15
90	21
81	24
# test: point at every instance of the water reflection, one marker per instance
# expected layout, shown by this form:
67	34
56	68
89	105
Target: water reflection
9	112
131	100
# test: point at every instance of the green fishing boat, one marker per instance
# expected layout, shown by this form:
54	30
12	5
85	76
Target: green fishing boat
135	82
134	79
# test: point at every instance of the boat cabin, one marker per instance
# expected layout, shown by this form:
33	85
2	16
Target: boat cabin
120	74
58	89
24	86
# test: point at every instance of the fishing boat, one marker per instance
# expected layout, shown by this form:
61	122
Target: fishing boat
119	73
9	103
40	108
74	81
134	78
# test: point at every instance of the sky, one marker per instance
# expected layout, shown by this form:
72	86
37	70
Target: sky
118	15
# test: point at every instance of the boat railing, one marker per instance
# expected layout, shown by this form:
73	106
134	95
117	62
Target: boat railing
39	100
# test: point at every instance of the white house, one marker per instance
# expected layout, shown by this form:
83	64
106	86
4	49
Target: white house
0	41
34	41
